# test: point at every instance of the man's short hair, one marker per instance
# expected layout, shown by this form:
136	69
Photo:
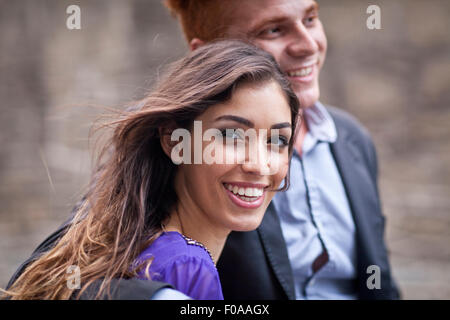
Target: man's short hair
203	19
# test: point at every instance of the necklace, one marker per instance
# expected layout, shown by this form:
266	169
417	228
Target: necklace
193	242
198	244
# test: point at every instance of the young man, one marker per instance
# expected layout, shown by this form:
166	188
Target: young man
323	238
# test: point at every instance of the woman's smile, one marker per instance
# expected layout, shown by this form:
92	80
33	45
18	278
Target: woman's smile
245	195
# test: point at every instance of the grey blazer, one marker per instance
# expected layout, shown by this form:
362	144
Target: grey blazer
255	265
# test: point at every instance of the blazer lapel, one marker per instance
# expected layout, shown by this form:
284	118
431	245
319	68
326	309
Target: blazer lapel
362	196
275	248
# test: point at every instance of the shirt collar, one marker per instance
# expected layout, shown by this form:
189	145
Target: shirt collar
321	126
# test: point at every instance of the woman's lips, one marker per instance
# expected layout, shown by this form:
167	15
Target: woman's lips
249	198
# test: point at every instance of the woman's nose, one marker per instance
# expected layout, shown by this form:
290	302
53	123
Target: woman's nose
257	160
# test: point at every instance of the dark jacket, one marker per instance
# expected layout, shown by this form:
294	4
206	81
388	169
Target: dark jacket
255	265
121	289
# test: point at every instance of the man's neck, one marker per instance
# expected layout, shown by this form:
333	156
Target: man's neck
300	138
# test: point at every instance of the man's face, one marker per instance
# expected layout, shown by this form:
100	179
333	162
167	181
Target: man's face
292	32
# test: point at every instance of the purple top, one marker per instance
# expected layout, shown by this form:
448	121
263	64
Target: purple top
186	266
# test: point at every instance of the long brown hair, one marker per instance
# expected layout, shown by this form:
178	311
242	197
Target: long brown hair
132	190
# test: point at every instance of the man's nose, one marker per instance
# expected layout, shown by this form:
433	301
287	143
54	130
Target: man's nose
303	42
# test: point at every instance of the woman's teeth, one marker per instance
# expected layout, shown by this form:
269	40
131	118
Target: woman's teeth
246	194
301	72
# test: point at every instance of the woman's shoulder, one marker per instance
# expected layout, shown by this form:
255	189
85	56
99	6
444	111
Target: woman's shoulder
171	245
184	263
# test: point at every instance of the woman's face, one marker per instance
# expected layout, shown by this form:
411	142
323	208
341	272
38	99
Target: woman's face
229	189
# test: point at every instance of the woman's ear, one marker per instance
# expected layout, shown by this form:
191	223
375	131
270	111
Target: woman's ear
167	144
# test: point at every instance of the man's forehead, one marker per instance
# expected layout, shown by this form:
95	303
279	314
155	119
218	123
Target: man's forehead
252	13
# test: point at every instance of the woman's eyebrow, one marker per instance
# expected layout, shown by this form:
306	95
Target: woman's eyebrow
241	120
250	124
281	125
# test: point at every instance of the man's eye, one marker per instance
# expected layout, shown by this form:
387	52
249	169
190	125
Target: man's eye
271	32
311	19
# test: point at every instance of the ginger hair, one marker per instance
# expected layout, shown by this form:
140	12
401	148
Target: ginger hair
203	19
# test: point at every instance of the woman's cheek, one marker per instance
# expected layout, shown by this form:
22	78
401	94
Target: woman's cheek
285	166
278	164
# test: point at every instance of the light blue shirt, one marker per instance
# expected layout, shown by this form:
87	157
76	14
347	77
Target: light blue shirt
169	294
315	215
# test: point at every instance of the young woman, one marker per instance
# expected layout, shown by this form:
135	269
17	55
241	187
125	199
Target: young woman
149	215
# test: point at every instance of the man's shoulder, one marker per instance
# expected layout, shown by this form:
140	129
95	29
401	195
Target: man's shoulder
350	129
346	121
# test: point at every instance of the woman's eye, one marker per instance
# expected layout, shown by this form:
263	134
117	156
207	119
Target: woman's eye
281	141
232	134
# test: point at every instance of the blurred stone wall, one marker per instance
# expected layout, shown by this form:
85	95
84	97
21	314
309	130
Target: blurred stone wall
54	83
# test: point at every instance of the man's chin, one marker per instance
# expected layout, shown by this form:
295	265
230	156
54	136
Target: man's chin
307	99
308	95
